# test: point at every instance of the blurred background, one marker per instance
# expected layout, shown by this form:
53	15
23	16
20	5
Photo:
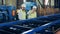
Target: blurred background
19	16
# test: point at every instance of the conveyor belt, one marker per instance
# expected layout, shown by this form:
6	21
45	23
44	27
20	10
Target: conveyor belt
41	20
25	25
43	27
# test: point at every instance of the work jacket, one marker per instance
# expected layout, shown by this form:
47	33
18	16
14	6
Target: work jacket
21	14
31	14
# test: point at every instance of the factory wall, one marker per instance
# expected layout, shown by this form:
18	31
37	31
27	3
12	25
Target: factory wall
52	2
19	2
48	11
0	2
11	2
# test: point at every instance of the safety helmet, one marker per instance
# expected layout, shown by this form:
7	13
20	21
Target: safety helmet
23	5
35	7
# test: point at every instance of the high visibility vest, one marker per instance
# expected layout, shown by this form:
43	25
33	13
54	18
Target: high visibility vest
32	15
21	14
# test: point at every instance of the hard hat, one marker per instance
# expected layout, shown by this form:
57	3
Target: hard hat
23	5
35	7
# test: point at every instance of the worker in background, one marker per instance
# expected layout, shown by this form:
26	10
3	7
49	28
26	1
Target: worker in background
14	14
32	13
57	31
21	12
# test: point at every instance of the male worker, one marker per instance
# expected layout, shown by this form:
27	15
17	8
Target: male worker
57	31
14	14
22	13
32	13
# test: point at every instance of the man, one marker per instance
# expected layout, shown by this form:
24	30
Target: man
32	13
22	13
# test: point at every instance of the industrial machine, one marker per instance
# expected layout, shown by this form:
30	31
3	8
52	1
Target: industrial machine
48	28
29	5
19	27
6	13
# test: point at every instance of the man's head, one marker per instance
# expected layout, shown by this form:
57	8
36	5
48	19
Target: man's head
34	8
23	6
57	31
